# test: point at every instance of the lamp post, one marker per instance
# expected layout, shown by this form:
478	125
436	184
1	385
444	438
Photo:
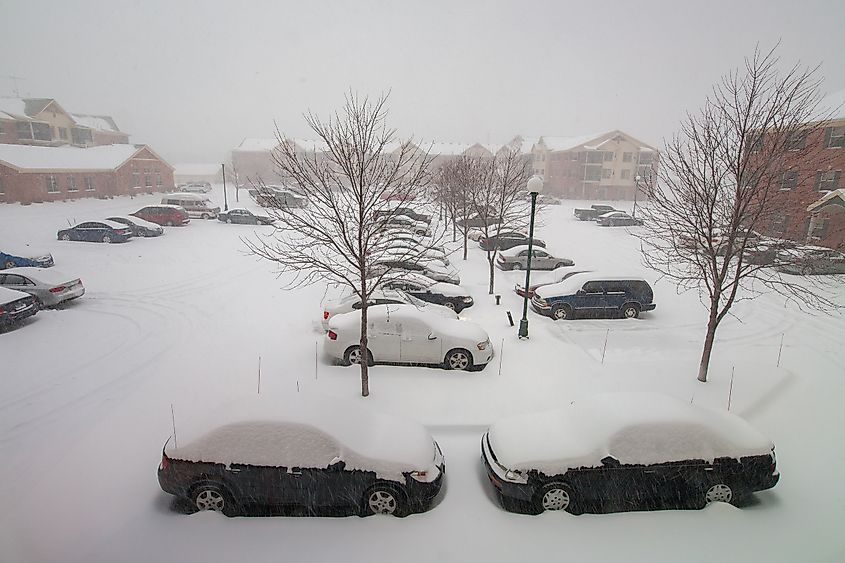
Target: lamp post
225	198
535	186
636	190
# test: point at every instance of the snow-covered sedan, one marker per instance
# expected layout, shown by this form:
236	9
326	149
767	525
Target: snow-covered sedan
617	219
422	287
138	226
399	261
403	334
625	451
244	217
516	258
312	452
352	302
49	287
15	306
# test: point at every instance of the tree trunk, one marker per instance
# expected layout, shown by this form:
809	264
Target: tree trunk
712	324
465	245
492	270
365	354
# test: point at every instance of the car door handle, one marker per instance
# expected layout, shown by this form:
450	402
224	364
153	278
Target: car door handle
295	473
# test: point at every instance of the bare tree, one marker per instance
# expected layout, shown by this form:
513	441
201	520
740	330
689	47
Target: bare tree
354	179
457	181
718	184
500	198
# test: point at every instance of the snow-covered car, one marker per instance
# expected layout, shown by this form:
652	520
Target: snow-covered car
625	451
14	258
398	261
316	453
138	226
382	297
402	221
48	287
196	187
404	334
507	240
617	219
97	231
243	217
15	306
416	248
811	260
422	287
555	276
516	258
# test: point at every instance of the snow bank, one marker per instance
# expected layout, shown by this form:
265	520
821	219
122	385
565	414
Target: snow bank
635	428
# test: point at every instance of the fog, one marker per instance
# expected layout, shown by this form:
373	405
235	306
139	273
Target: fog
194	78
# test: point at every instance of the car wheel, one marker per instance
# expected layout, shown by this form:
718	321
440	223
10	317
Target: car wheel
807	271
458	359
561	313
169	223
449	305
10	264
630	310
383	499
229	220
555	496
106	239
718	493
65	236
212	497
353	356
205	216
516	266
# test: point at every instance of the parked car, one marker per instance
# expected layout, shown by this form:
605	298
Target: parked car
196	187
352	302
420	228
422	287
416	248
399	261
168	215
590	294
618	219
244	217
277	196
15	259
138	226
48	287
15	306
318	454
97	231
764	251
406	211
196	205
555	276
507	240
516	258
625	451
593	212
403	334
811	260
479	221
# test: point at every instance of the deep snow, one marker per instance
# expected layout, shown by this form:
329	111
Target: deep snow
183	319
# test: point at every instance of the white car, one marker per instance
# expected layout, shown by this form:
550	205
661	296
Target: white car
416	248
404	334
399	261
352	302
403	222
49	287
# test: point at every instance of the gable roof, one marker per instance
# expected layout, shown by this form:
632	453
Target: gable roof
593	141
105	157
828	199
98	122
34	106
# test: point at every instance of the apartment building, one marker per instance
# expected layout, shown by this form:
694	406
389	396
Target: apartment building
44	122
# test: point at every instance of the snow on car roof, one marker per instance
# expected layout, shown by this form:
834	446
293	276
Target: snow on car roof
237	432
574	282
45	275
397	313
613	214
635	428
513	251
140	222
112	224
8	295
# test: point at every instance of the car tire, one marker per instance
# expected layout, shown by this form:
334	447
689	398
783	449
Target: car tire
459	359
169	223
516	266
450	305
229	220
65	236
353	356
719	492
562	312
630	310
384	499
556	496
9	264
806	271
205	216
212	497
106	239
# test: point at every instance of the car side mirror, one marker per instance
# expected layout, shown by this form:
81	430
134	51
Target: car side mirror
581	292
337	465
432	337
610	461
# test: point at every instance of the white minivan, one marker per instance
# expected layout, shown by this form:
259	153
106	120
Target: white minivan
198	206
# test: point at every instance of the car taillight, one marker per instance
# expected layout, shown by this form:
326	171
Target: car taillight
325	314
332	335
165	462
57	289
421	476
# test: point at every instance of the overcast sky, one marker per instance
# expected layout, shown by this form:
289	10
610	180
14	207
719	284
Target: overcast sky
193	79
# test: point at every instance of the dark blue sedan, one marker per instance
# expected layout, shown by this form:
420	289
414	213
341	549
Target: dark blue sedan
97	231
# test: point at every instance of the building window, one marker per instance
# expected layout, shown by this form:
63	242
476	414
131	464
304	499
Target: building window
63	133
797	140
42	131
646	158
789	180
136	179
52	185
627	156
595	157
592	174
81	136
606	173
779	224
148	179
159	183
626	174
819	228
834	137
609	155
89	184
71	184
24	130
827	180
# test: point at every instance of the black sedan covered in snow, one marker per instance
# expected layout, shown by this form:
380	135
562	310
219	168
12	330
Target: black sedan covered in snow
138	226
244	217
618	219
97	231
625	451
317	454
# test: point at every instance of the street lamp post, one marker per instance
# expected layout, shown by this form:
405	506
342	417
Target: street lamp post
535	186
225	198
636	190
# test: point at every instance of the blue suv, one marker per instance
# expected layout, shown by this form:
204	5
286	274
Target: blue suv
590	295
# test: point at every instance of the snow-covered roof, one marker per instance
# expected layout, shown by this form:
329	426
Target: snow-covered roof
242	430
105	157
98	122
574	282
567	143
13	108
835	194
446	149
196	169
635	428
257	145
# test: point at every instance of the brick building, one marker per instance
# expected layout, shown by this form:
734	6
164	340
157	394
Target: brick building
43	122
34	174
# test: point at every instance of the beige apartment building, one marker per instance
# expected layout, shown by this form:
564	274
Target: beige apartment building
43	122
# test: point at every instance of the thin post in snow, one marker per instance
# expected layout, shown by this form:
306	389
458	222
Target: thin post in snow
297	386
315	360
173	420
780	350
501	355
731	389
604	349
259	375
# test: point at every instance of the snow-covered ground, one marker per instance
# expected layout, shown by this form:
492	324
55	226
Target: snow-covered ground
86	394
